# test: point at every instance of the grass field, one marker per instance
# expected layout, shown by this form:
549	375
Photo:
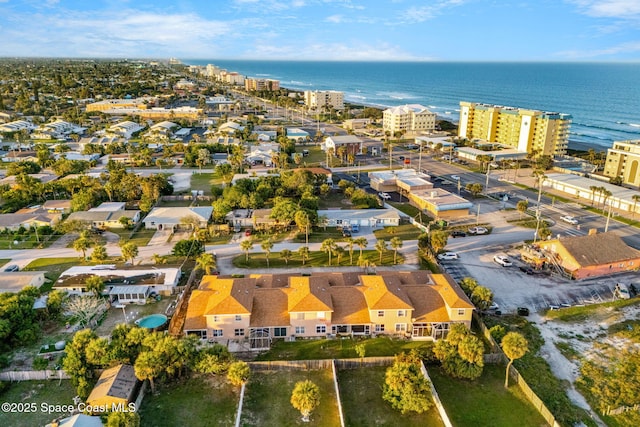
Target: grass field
52	392
340	348
203	181
484	402
197	402
268	395
316	259
139	238
404	232
363	406
581	313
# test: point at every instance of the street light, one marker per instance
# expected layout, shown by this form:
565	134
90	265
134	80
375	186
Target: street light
606	227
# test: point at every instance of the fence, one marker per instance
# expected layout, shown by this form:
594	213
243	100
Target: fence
436	398
621	410
334	374
33	375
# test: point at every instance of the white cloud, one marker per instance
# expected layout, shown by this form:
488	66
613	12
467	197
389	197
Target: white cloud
335	19
608	8
415	15
624	48
333	52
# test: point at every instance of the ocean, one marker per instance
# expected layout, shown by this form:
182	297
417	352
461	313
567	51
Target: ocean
603	98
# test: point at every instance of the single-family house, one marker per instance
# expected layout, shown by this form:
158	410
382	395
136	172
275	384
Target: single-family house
362	217
15	281
174	218
17	126
401	179
150	280
60	206
352	143
107	215
297	134
416	304
36	219
124	129
116	387
597	254
20	156
262	154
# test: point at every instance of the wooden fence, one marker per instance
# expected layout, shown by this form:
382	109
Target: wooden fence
621	410
47	374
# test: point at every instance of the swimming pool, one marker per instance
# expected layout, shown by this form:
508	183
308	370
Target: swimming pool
152	321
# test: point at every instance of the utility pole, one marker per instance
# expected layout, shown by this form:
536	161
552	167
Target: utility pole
486	183
606	227
540	179
420	159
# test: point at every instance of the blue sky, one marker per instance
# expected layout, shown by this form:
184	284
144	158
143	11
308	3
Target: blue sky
446	30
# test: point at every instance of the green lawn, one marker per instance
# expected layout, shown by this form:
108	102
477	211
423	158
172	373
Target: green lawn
404	232
52	392
268	399
53	267
139	238
315	157
363	406
318	235
484	402
334	200
203	181
3	261
26	241
316	259
198	401
340	348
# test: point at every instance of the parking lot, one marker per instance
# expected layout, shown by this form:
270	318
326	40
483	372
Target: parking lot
514	288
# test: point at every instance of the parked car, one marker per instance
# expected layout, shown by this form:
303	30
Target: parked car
458	233
248	232
384	196
523	311
477	230
401	157
11	267
455	177
346	233
503	260
355	228
494	306
528	270
447	256
569	219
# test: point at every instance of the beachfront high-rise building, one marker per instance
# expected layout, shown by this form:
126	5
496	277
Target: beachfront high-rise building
409	118
624	160
533	131
320	99
261	84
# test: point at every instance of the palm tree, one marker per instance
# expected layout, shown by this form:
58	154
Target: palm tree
285	254
381	247
266	246
396	243
594	189
206	262
350	241
362	243
303	222
606	193
338	251
81	244
129	251
303	251
246	246
328	245
514	346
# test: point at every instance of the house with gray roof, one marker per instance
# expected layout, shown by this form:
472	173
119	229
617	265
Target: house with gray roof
173	218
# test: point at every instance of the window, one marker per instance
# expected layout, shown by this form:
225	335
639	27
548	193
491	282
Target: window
379	328
321	315
401	313
321	329
401	327
299	330
216	318
381	313
461	312
238	332
238	317
216	332
279	332
338	221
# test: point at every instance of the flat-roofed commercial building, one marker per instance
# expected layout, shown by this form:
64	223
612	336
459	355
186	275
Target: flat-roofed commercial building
440	203
319	99
623	160
533	131
409	118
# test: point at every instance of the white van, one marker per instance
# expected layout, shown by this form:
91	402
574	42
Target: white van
622	291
